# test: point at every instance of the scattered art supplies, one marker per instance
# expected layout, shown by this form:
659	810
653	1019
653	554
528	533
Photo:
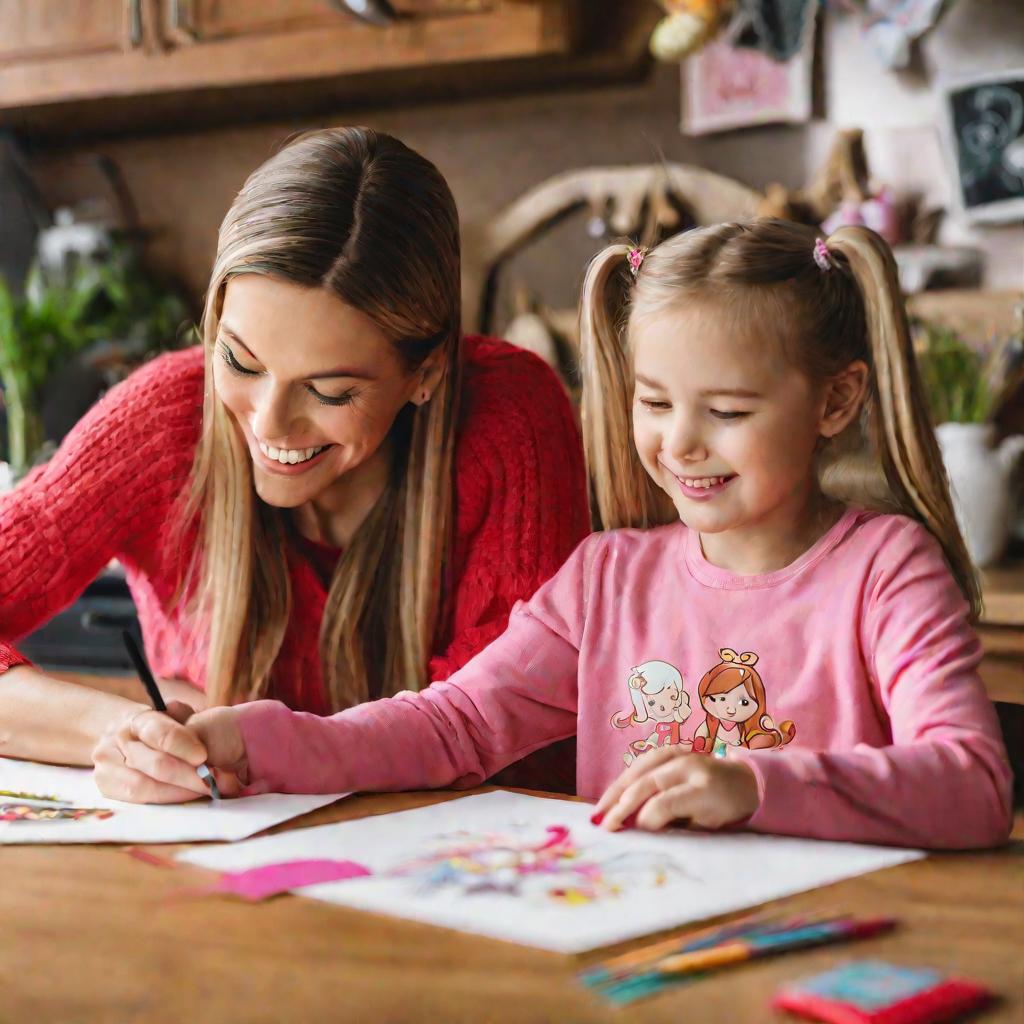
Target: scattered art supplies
273	879
644	972
40	803
535	871
872	992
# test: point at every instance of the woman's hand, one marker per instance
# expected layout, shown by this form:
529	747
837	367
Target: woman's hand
669	784
149	757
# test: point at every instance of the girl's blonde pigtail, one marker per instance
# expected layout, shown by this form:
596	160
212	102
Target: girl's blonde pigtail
900	424
622	494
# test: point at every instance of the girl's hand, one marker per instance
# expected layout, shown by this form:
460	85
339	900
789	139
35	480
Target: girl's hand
667	784
149	757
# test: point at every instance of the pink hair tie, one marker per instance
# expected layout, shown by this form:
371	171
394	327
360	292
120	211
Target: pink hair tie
822	256
636	258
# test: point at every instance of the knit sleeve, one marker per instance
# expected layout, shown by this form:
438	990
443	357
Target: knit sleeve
108	490
944	781
521	497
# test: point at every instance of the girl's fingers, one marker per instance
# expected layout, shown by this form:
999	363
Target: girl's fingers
119	782
163	768
678	802
180	711
641	766
227	783
638	792
163	733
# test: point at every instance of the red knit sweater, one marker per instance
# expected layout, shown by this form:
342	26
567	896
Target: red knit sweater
112	488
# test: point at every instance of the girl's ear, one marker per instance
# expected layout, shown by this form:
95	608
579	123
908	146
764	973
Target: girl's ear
844	396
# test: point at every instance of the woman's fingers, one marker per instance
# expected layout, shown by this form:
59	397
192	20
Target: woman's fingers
119	782
163	768
163	733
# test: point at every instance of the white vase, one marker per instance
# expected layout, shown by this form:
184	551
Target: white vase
979	477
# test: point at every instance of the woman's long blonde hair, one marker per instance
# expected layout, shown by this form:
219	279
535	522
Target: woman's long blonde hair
764	273
358	213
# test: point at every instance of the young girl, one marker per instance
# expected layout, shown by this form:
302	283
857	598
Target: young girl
752	358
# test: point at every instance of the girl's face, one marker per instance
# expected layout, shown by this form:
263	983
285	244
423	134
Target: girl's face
313	384
735	705
722	423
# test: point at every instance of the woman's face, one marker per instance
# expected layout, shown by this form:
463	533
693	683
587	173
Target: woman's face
313	384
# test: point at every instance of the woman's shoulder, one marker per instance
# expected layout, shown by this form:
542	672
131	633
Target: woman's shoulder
502	380
144	429
518	446
172	381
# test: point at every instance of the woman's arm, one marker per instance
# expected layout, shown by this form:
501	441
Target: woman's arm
43	718
109	488
47	719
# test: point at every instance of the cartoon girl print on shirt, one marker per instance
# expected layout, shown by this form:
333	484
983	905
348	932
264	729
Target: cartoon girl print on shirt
656	689
736	708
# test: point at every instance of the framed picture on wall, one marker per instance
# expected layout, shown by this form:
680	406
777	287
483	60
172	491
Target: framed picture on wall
727	87
985	129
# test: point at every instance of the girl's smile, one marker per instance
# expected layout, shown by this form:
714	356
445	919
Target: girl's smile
703	488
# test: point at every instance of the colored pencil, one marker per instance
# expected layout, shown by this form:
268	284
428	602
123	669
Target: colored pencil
756	946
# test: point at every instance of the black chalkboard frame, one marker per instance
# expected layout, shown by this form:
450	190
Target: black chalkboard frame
984	130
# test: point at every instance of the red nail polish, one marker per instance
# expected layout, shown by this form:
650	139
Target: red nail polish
597	817
630	822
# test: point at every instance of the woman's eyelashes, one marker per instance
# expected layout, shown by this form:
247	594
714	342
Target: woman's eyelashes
233	364
331	399
236	367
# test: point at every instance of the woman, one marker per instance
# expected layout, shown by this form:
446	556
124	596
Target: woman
334	498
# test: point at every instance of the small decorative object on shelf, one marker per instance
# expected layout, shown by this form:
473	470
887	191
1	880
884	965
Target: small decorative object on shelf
687	26
961	384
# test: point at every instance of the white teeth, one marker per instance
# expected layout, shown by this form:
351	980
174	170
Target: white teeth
289	456
705	482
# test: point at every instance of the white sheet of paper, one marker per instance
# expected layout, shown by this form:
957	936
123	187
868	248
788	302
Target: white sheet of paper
662	880
137	823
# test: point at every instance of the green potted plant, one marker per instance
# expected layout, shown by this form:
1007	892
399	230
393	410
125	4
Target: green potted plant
61	315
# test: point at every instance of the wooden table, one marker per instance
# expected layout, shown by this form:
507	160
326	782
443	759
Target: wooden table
1002	632
90	934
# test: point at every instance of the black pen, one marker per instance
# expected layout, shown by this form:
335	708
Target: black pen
139	661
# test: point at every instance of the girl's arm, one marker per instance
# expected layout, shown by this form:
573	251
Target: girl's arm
945	781
108	488
517	695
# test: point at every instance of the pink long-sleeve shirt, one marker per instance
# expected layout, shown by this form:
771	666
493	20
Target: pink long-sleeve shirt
847	681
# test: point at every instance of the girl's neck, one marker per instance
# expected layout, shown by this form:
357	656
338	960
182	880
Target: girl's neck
334	516
775	541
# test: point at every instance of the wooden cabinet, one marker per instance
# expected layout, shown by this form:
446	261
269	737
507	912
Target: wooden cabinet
209	20
34	33
62	52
